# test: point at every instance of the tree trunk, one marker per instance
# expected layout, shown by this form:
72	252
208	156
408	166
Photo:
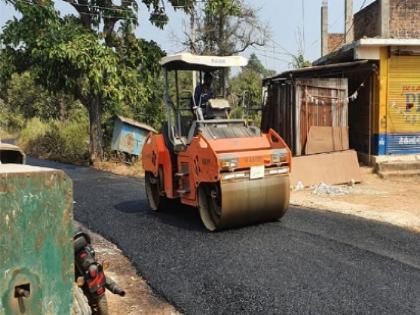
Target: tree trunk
95	144
62	108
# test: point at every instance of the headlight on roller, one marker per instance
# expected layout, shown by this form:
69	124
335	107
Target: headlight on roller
228	164
279	156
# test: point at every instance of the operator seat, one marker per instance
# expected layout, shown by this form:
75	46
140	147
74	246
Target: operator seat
217	108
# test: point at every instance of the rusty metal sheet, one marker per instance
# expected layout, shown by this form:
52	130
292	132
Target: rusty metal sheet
327	139
329	168
320	102
294	106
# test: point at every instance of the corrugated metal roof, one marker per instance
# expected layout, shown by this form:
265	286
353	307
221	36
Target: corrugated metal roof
309	70
135	123
349	50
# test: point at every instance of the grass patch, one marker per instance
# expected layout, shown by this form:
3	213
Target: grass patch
59	141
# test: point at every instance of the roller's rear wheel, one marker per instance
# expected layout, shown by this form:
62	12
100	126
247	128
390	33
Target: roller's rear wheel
153	192
157	200
210	205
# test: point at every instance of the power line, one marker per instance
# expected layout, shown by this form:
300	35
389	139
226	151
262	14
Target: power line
85	13
273	58
271	51
276	44
303	25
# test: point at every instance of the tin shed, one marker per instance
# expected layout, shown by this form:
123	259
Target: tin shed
310	113
129	135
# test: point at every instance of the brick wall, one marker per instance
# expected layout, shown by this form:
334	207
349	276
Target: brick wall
335	41
366	22
405	19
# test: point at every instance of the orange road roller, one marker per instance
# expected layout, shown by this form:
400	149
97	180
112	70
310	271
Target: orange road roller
232	172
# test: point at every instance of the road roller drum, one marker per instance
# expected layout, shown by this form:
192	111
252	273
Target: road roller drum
242	202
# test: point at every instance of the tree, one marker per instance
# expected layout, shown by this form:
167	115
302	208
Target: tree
141	85
104	16
23	96
255	65
64	56
94	57
227	27
246	86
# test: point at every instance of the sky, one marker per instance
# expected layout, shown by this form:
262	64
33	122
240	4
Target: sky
284	17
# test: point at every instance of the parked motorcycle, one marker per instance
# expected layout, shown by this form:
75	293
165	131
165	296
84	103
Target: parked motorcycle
90	275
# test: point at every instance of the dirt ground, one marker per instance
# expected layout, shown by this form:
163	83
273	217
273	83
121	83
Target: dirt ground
120	168
139	298
395	201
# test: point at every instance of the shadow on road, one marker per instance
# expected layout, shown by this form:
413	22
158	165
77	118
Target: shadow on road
179	216
53	164
183	217
132	206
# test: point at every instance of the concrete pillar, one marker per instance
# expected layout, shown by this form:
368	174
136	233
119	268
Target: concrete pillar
349	27
324	28
384	18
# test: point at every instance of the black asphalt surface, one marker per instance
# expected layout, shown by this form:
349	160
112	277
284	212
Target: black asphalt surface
310	263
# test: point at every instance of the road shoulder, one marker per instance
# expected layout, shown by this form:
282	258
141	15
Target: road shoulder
139	299
395	201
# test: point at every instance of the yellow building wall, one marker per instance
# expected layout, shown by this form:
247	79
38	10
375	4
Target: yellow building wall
398	115
404	94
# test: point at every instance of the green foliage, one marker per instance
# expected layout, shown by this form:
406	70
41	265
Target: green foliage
66	57
10	122
299	61
65	142
33	129
81	65
246	90
237	112
24	97
225	7
86	59
62	54
140	85
255	65
247	84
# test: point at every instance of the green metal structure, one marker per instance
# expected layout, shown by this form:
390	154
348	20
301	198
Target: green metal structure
36	241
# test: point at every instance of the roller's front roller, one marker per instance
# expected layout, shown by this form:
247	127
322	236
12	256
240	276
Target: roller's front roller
235	203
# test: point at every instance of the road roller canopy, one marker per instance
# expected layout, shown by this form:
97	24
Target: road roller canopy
190	62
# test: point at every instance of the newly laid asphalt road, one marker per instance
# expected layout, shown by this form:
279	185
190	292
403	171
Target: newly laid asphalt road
309	263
